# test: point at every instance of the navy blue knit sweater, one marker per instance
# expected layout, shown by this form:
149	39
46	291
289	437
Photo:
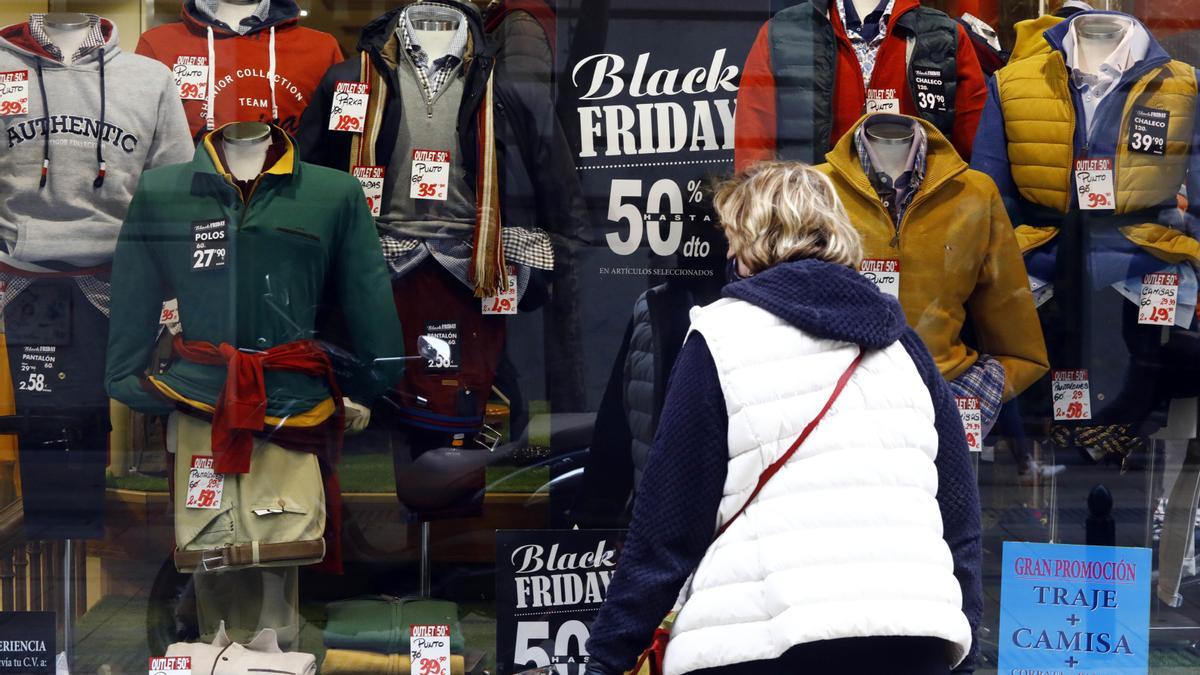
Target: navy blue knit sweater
677	505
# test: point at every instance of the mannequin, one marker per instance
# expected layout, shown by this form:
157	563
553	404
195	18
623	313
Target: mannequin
231	12
434	35
246	145
863	7
1099	35
67	30
892	144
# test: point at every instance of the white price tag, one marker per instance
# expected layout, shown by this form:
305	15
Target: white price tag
1160	296
429	650
884	273
503	302
1094	183
882	100
972	421
170	665
349	109
169	316
430	174
205	486
14	93
191	77
371	180
1072	393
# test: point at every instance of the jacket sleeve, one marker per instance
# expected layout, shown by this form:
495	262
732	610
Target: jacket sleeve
673	522
172	141
1193	177
137	292
990	154
144	48
1002	309
314	141
969	97
958	494
364	294
755	125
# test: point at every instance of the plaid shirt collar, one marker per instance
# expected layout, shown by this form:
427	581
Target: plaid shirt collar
433	73
94	39
209	9
866	50
898	193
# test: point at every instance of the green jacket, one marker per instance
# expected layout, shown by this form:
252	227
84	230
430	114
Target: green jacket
305	238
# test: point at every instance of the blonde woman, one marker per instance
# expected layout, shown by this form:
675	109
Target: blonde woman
859	551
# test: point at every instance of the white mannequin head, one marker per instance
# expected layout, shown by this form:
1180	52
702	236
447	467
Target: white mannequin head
1097	35
245	145
231	12
67	30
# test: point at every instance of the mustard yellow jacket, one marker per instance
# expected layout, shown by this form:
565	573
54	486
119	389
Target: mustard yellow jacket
958	256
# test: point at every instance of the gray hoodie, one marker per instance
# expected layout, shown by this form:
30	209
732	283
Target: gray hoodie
112	115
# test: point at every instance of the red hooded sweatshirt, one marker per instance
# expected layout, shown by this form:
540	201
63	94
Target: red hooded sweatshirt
756	124
275	50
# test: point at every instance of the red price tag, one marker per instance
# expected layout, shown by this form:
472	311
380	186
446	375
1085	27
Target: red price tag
1159	299
430	178
1072	395
348	111
371	180
205	486
429	650
503	302
191	77
1094	184
972	420
14	93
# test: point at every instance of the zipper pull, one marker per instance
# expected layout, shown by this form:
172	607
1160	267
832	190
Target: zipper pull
895	243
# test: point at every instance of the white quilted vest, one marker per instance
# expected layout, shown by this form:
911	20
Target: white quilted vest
846	540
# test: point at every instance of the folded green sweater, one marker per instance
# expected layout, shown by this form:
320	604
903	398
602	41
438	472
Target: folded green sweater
382	624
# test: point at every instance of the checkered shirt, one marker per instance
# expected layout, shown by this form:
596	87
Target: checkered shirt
97	292
985	381
433	74
882	182
523	249
864	49
94	38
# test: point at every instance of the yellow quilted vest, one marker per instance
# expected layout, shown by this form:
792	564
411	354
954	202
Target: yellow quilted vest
1039	121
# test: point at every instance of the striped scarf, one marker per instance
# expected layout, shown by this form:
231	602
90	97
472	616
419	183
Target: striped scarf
487	261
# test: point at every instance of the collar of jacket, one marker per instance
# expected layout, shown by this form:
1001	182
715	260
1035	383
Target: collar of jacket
207	168
1155	54
282	13
942	162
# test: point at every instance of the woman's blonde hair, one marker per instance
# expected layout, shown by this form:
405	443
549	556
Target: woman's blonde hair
774	212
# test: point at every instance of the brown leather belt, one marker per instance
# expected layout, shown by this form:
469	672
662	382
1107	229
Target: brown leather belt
243	555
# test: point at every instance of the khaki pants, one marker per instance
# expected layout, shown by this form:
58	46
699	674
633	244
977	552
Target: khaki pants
281	499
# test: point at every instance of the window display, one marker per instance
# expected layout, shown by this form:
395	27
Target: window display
340	335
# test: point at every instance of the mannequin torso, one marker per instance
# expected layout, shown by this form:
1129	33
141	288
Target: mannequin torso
891	145
231	12
1098	37
434	41
245	145
67	31
863	7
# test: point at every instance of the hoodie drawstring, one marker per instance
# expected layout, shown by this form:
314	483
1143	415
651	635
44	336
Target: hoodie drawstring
100	134
210	121
46	131
271	77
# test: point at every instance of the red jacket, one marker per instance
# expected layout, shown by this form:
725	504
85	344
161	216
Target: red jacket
241	87
756	125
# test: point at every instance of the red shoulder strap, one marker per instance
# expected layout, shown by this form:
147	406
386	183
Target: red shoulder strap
775	466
